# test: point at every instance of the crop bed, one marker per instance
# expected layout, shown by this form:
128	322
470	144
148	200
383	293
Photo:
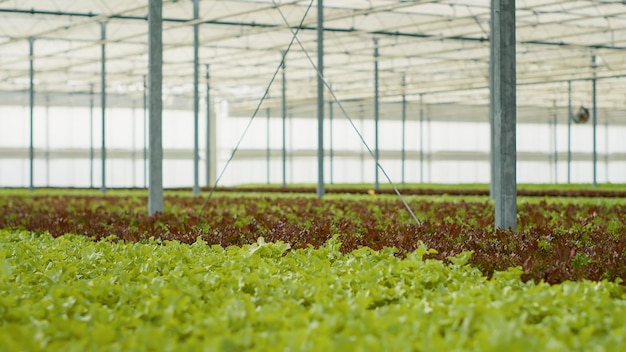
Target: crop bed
76	294
259	272
556	241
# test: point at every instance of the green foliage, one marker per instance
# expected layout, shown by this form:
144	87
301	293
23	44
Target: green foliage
76	294
581	260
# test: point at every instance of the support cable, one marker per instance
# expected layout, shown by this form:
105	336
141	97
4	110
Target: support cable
258	107
341	107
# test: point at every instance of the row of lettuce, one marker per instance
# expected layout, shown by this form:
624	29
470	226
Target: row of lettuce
557	240
76	294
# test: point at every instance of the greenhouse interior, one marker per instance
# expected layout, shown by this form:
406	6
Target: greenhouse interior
310	175
407	81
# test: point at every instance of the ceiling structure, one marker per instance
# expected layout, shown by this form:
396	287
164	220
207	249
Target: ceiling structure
438	48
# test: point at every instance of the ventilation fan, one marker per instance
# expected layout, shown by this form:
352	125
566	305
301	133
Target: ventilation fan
581	116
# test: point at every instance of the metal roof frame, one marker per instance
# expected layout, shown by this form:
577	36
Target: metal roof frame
440	46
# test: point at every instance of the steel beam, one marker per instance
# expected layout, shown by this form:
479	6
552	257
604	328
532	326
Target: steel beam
91	147
376	115
256	24
421	137
209	130
196	103
284	118
403	153
103	97
595	123
556	151
569	131
31	102
320	99
155	68
504	94
330	132
47	145
492	125
145	132
267	150
133	151
606	151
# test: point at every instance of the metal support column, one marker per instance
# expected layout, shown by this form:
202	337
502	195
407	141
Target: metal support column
284	119
47	145
133	150
320	99
91	151
196	103
330	132
504	93
569	131
267	151
403	156
103	95
376	116
31	102
209	130
492	125
595	123
556	151
606	149
429	149
421	137
155	68
145	132
362	153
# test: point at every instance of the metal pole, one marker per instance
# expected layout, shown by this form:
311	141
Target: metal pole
103	104
155	67
403	126
196	104
556	154
145	132
91	151
376	116
47	147
284	118
595	123
267	151
421	137
320	99
208	128
505	114
133	151
569	131
330	119
492	99
31	95
362	154
429	149
606	148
